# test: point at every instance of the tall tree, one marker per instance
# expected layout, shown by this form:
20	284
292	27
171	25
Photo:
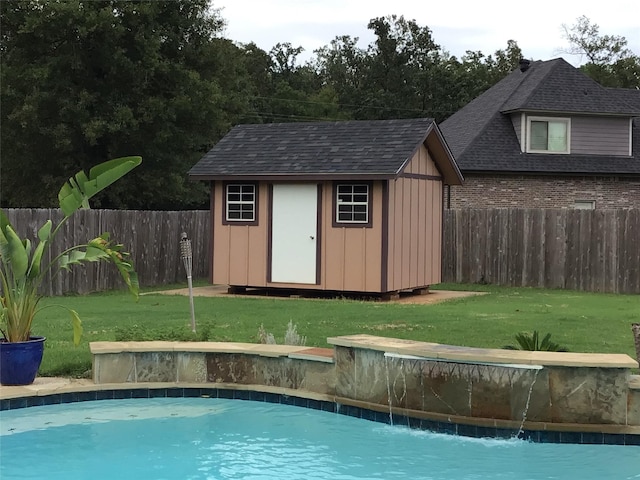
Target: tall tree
609	61
402	63
394	77
404	73
85	81
475	73
285	90
342	68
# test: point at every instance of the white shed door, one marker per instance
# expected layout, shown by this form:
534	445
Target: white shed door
293	233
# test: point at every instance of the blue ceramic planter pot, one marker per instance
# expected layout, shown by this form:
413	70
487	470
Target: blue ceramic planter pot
19	361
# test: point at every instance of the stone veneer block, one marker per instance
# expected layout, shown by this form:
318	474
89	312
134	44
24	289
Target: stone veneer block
633	408
404	382
588	395
276	372
492	390
371	377
114	368
447	388
318	377
156	367
192	367
530	397
345	371
491	401
230	368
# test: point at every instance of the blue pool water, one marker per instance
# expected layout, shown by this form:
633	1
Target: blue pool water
203	438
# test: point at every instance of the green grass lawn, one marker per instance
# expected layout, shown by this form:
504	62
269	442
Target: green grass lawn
583	322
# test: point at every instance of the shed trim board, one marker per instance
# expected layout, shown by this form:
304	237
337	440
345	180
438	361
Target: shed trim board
295	178
420	176
212	226
319	236
384	254
269	232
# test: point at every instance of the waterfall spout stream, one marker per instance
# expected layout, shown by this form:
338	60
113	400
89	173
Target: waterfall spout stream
526	407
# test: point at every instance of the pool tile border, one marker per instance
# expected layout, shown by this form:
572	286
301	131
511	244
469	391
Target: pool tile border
436	426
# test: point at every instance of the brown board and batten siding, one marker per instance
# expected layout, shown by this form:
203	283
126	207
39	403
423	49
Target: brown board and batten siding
351	257
414	225
239	251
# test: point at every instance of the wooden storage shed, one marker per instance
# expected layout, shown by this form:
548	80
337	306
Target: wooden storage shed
352	206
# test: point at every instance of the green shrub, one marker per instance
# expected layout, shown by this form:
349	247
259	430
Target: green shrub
531	342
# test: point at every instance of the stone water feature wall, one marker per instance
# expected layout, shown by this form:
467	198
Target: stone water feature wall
477	390
503	389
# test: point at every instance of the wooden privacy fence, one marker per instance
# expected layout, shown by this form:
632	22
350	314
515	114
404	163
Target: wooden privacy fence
589	250
152	238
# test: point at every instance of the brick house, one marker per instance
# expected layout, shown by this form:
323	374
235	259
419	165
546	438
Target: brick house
547	136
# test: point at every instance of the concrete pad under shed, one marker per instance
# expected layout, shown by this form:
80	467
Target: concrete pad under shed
434	296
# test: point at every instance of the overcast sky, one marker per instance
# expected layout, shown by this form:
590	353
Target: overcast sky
456	25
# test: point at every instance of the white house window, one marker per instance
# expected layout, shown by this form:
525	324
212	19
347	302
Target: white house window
352	203
584	204
240	203
548	135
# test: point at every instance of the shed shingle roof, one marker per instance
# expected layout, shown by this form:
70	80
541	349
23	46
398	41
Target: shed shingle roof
482	137
377	147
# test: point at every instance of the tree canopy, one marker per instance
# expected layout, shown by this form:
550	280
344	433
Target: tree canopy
609	61
85	81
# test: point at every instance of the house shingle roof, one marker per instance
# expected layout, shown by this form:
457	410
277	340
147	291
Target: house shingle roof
631	96
556	86
482	137
348	148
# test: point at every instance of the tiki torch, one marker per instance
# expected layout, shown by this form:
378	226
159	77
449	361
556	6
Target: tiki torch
187	259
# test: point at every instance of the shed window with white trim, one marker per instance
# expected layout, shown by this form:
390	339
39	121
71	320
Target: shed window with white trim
548	135
352	204
240	203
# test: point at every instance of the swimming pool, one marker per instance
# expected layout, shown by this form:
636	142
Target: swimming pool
215	438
